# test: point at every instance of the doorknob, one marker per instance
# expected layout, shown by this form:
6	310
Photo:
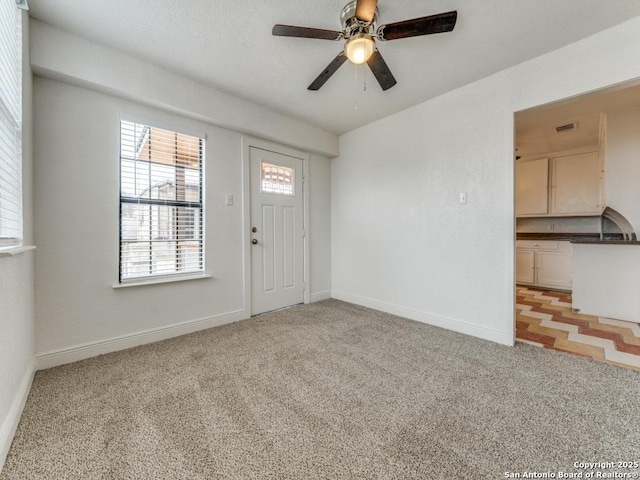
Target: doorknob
254	229
254	241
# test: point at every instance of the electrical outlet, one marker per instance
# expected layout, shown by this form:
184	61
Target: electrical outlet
229	199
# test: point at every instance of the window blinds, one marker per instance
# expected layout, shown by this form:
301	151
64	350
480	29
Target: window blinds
161	214
10	123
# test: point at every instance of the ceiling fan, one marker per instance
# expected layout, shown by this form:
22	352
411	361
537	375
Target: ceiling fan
359	31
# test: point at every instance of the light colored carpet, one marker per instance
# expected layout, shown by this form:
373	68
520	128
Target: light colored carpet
327	390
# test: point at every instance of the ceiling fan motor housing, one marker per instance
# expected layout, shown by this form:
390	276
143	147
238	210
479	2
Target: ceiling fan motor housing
351	26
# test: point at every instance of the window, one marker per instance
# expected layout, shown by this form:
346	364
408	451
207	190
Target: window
161	213
10	124
277	179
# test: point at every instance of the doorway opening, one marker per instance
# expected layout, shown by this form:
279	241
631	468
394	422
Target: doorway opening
577	220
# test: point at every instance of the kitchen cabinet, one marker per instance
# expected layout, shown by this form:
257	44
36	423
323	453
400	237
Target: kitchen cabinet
544	263
525	266
563	185
577	184
532	187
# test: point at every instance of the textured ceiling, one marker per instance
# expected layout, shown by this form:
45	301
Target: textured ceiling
228	45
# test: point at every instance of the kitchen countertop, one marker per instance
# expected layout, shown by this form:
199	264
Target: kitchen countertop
577	238
606	242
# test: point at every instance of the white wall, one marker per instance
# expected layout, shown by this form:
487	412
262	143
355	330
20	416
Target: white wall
320	227
76	152
623	164
17	360
76	202
402	242
80	91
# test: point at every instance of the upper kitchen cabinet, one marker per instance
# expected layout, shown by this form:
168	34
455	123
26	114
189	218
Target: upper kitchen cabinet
562	183
565	185
577	184
532	185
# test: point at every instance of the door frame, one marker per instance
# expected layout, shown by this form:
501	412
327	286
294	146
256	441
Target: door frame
247	143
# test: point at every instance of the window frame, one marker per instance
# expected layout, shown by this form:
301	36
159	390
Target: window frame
152	278
11	105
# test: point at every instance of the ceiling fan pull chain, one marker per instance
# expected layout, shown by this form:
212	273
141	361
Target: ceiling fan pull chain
355	90
364	75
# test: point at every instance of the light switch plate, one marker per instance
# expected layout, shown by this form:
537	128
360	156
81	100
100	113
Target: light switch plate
463	197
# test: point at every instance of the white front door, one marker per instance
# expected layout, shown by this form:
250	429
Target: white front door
277	231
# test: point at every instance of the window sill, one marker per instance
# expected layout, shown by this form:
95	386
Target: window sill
157	281
17	250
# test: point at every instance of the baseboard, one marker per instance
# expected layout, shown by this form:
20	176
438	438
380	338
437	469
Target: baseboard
319	296
63	356
504	338
10	424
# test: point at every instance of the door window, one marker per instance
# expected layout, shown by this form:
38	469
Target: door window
277	179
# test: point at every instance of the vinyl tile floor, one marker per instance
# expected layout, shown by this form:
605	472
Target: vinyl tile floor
544	318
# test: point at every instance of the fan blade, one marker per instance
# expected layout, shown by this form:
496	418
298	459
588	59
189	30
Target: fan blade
365	10
381	71
304	32
335	64
440	23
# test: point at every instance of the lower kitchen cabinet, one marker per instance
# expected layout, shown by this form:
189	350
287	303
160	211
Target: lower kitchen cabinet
544	263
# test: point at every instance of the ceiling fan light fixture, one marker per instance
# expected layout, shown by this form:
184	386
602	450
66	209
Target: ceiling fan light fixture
359	48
